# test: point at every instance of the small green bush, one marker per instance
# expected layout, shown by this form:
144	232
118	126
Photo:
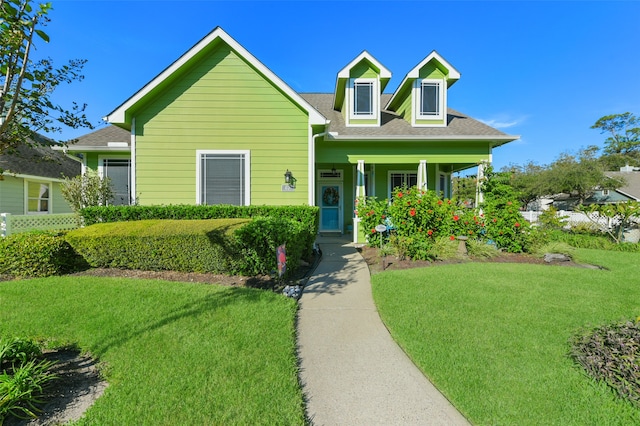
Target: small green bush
23	378
257	242
178	245
612	353
481	249
37	254
18	350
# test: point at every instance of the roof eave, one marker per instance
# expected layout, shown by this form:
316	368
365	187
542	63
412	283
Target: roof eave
501	140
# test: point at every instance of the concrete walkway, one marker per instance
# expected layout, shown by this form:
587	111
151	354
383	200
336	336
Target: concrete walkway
352	371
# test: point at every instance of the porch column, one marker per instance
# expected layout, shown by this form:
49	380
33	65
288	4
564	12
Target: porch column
360	192
360	189
422	175
479	180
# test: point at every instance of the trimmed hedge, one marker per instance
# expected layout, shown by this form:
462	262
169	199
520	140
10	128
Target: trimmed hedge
229	246
38	254
307	215
178	245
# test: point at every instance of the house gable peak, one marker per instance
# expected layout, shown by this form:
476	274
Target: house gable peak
121	115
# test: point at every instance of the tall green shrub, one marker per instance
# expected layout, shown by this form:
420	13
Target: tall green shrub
37	254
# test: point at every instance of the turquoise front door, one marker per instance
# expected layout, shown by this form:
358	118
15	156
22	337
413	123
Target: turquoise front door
330	202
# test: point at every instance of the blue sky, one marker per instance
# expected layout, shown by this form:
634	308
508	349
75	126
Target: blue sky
544	70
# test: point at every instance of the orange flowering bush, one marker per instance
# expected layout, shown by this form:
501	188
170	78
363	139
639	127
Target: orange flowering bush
418	218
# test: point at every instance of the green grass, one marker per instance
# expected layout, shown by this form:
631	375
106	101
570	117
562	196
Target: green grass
494	338
175	353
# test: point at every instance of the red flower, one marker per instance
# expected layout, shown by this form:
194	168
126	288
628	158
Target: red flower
495	220
429	211
384	217
373	231
408	203
452	238
509	203
412	212
517	225
456	217
399	194
419	201
439	202
449	202
430	232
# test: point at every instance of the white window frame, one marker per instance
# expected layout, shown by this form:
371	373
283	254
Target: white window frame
27	198
417	104
374	115
102	158
405	173
247	171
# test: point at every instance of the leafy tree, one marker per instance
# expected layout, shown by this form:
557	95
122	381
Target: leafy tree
26	87
87	190
579	175
624	131
529	181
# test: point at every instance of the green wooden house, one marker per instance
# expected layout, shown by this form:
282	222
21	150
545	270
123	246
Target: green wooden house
31	179
218	127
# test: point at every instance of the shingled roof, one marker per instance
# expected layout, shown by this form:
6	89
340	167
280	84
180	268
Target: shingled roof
631	188
39	160
393	126
101	138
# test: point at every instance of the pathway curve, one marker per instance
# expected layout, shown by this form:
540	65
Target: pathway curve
352	371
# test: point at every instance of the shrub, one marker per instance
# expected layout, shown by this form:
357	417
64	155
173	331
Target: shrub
612	353
178	245
37	254
481	249
308	216
419	218
257	242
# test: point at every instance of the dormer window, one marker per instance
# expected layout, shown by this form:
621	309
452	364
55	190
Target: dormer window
430	99
429	96
363	102
363	98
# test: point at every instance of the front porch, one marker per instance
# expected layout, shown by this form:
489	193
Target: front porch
339	185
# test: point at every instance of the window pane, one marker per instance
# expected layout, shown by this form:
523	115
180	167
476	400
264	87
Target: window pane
363	98
412	179
222	180
430	99
119	171
37	197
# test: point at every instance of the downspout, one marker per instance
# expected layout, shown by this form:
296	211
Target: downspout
132	194
312	164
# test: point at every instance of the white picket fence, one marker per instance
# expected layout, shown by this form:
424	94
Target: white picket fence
14	224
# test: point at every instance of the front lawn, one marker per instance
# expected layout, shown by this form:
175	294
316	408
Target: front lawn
174	353
494	338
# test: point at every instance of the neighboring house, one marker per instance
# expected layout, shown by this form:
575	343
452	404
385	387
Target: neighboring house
218	127
31	180
630	191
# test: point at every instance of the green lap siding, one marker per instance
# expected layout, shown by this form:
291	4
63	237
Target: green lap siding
221	103
12	195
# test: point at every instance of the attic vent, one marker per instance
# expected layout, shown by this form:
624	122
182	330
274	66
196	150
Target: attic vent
331	174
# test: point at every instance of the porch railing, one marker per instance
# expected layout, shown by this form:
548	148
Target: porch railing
14	224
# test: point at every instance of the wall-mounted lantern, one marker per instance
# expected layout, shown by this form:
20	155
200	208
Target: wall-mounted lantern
289	179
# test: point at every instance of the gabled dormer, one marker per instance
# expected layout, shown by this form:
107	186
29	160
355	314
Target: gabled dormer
421	98
358	89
